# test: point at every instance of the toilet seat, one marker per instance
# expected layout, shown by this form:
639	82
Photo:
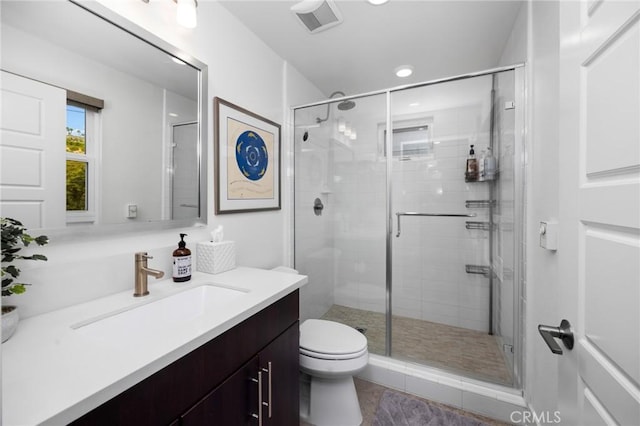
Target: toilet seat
320	355
331	340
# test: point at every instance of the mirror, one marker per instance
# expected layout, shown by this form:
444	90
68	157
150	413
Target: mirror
129	108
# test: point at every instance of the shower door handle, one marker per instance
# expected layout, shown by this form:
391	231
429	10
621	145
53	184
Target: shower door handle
563	333
399	214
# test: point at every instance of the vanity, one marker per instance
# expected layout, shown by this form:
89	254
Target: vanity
222	349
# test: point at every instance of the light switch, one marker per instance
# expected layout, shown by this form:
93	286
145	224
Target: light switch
549	235
132	211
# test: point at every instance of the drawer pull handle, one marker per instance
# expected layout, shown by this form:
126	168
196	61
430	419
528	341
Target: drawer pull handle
259	382
268	404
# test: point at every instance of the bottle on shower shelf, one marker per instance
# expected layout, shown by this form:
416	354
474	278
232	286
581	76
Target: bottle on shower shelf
489	165
481	166
472	166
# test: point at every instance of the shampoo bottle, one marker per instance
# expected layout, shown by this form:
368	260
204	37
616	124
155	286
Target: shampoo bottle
481	165
489	165
472	166
181	262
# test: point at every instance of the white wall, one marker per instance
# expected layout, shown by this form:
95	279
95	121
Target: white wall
535	39
543	202
243	70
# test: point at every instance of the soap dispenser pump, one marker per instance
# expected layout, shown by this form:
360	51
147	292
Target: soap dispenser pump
181	262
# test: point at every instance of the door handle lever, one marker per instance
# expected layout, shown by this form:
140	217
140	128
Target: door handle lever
563	333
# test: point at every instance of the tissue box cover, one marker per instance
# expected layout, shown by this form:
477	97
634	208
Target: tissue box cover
214	258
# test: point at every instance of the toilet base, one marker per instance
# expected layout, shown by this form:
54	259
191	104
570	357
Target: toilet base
329	402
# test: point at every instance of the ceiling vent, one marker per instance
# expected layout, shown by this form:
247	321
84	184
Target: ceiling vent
317	15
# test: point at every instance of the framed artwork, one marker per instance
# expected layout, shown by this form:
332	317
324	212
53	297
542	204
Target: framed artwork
247	150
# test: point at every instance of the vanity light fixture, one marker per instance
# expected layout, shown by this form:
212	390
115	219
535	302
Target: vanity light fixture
404	71
186	14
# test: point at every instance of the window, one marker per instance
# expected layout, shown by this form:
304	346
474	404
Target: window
81	149
412	142
411	139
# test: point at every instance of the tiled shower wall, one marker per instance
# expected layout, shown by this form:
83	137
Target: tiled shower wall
314	251
347	245
429	257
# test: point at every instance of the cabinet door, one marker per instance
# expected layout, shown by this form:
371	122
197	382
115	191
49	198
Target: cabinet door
233	403
279	363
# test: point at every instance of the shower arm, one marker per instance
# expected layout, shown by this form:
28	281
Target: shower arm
320	120
399	214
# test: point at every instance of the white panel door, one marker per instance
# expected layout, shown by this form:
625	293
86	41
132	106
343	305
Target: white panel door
32	152
599	249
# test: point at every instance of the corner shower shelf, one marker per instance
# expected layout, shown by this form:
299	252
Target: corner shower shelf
478	269
479	204
483	226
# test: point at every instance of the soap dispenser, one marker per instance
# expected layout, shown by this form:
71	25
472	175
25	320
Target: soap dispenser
181	262
472	166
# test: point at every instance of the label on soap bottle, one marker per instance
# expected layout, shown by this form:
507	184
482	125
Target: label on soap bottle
182	268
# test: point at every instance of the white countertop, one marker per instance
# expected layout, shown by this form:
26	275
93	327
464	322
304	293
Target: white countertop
51	374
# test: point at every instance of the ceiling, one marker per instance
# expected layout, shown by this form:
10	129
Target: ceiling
438	38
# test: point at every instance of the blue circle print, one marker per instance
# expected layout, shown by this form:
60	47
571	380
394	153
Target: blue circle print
251	155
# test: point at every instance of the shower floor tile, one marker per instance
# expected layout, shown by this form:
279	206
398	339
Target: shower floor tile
471	353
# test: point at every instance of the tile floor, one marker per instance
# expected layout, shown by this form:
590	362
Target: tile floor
471	353
369	396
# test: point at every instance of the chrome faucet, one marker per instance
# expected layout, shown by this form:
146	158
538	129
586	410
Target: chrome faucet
142	271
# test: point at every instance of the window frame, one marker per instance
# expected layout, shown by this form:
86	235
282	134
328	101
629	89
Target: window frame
91	159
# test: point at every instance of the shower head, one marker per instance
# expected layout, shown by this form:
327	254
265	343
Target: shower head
342	106
346	105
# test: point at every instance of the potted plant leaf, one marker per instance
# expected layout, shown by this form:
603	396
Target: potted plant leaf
14	239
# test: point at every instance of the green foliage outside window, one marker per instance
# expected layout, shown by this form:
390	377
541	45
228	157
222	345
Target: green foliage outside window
76	174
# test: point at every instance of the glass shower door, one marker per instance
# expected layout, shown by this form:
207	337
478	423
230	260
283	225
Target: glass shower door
443	288
340	213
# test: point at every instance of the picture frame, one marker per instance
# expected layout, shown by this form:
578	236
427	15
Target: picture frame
248	157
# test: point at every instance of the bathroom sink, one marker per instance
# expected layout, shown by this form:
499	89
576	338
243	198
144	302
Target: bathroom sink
159	315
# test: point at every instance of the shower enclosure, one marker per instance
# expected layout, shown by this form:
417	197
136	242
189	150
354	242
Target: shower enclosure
397	240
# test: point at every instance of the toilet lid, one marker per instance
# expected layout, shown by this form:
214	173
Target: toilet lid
332	338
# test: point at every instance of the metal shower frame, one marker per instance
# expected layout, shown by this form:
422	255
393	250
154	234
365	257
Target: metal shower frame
520	184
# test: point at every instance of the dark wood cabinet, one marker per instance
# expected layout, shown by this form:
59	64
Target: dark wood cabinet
231	403
266	387
216	384
279	363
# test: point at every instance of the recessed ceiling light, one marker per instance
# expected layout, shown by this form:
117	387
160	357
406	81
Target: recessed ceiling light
404	71
377	2
173	114
414	104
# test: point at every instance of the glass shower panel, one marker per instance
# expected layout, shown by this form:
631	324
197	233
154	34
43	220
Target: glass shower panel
340	213
443	301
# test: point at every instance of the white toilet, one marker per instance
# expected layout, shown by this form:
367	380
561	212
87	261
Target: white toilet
330	355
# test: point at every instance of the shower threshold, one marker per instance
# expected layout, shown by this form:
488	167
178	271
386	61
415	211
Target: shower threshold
471	353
